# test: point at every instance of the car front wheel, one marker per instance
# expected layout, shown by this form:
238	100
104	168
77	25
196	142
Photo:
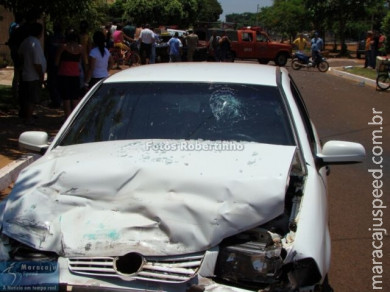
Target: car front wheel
281	59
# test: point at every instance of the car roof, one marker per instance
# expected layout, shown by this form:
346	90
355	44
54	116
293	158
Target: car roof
243	73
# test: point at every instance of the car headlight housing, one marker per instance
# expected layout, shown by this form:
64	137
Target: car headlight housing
256	261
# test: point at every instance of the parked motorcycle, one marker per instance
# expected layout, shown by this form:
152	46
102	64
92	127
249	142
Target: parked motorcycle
301	60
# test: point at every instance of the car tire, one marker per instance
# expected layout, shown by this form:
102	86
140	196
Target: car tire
295	64
383	81
281	59
323	66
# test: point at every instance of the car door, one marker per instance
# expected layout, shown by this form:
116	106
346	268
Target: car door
247	47
262	46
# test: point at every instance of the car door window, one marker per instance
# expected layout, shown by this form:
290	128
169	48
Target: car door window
246	37
260	37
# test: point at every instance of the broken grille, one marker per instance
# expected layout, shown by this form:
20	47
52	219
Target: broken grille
175	269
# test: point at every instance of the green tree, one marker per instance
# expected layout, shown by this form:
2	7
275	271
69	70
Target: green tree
183	13
67	12
342	12
243	19
284	17
337	15
209	10
316	14
116	10
153	11
190	12
47	7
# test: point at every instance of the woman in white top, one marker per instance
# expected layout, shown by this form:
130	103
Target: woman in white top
100	60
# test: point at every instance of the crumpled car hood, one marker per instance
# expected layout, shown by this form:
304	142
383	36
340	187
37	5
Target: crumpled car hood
111	198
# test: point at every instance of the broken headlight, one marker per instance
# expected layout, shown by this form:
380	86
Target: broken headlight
254	258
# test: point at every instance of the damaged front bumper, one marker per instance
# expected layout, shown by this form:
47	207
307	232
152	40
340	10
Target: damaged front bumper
253	261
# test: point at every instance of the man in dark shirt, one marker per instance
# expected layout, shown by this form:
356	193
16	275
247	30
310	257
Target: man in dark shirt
129	30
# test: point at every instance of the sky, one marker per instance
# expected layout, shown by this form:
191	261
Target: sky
241	6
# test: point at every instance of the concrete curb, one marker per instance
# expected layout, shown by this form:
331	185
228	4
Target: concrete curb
362	81
10	172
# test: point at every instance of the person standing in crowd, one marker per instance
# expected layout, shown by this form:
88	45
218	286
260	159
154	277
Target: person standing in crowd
18	34
147	39
214	46
68	60
224	48
119	46
317	45
153	55
175	46
33	69
119	38
53	41
86	43
113	27
14	40
129	31
374	48
300	42
192	43
367	53
382	45
100	61
108	38
137	34
84	38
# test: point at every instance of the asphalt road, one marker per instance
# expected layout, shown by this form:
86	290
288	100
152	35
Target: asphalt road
346	110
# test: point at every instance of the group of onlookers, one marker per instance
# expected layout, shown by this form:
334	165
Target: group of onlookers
374	46
146	39
316	45
219	47
72	60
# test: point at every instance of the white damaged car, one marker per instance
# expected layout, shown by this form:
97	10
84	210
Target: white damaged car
179	177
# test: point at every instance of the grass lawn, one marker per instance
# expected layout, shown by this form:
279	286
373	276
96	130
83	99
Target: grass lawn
365	72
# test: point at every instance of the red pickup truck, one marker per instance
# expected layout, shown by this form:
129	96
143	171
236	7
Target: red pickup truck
253	43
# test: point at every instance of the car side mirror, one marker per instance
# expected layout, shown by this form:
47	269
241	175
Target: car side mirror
36	141
341	152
